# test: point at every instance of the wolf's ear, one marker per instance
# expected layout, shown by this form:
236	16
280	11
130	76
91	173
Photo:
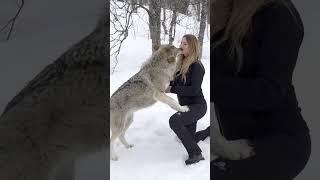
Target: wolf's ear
155	47
171	59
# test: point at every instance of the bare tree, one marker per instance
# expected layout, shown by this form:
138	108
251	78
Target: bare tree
163	22
198	9
203	23
173	24
12	21
155	22
133	6
121	21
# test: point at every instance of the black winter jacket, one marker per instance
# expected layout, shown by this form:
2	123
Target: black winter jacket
191	91
260	99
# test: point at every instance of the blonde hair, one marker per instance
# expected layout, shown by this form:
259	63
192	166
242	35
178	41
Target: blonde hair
184	62
239	24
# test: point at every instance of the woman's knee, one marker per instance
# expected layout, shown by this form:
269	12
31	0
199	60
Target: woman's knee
174	121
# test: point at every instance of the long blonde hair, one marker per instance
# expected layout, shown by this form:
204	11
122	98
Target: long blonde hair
184	62
239	23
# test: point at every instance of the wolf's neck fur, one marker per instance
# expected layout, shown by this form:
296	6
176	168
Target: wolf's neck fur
89	51
158	71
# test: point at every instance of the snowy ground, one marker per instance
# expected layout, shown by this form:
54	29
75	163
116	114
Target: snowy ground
47	28
157	154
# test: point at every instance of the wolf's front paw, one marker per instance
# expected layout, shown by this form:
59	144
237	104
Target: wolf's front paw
238	149
184	108
128	146
114	157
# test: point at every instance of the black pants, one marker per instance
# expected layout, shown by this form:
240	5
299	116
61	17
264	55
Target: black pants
184	124
278	157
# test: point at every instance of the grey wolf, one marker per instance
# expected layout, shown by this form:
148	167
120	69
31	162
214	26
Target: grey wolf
59	116
142	90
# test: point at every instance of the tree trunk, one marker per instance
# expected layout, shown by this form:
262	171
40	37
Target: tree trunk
133	6
198	9
164	21
155	23
173	26
203	21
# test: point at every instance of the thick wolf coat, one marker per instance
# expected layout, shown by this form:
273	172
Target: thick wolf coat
59	116
142	90
234	150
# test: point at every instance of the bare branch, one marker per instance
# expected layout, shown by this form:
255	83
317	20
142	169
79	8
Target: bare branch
121	19
148	11
121	29
12	21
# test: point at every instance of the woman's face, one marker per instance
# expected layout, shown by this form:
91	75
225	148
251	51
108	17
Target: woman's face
185	47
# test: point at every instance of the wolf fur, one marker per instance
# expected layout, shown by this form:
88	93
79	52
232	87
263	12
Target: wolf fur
59	116
233	150
142	90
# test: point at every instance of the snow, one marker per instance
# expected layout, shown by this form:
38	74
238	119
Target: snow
157	153
46	28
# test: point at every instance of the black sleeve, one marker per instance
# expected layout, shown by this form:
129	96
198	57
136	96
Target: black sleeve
280	43
197	72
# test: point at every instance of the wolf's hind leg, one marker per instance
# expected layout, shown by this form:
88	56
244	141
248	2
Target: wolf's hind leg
122	135
114	136
117	124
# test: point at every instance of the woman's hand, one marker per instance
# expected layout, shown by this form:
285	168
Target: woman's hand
168	89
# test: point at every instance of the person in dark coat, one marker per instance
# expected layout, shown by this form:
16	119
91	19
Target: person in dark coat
255	45
187	85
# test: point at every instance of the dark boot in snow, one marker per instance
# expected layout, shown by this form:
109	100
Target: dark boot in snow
194	159
202	135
